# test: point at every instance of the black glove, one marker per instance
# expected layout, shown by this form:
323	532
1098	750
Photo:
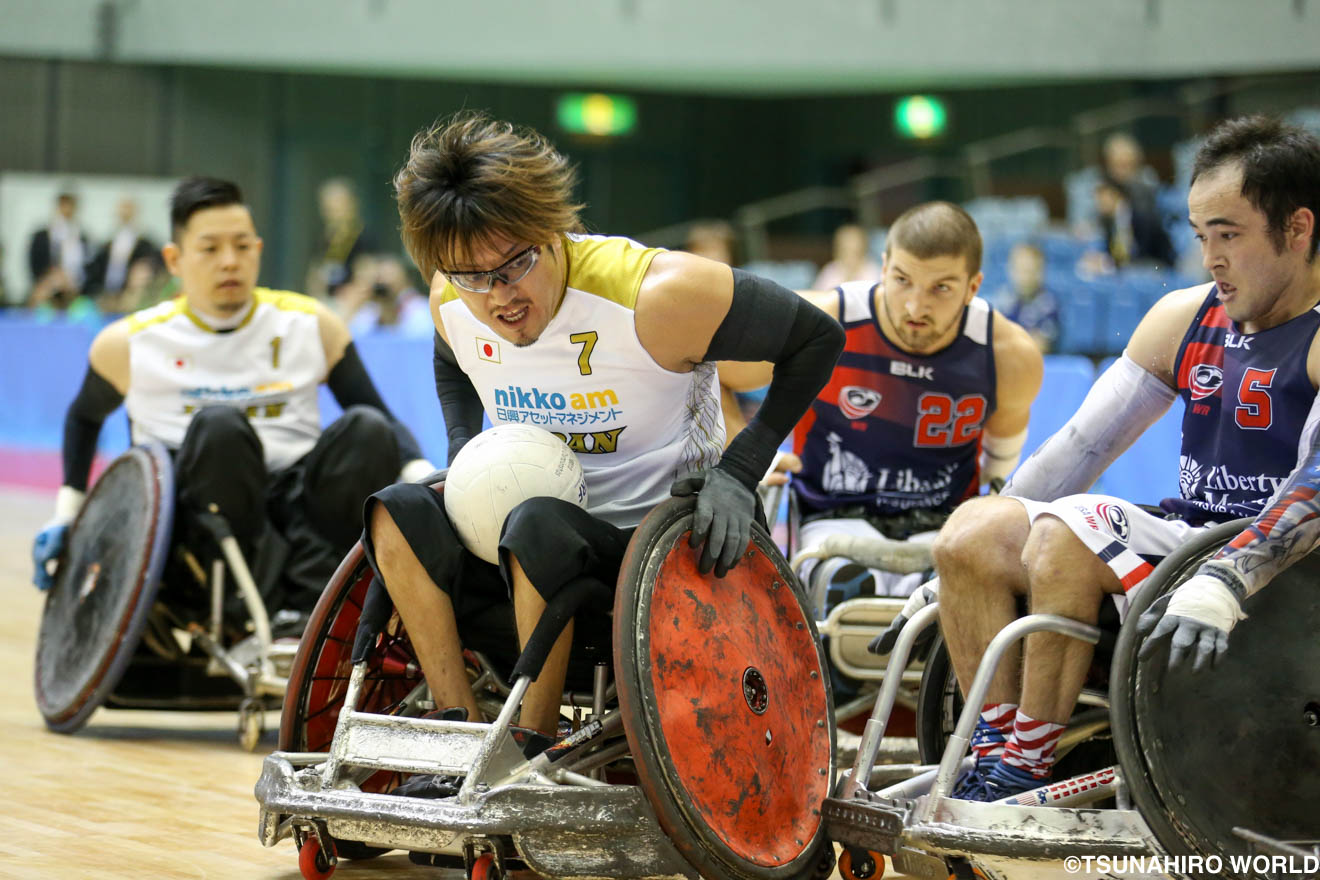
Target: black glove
1211	642
723	517
884	643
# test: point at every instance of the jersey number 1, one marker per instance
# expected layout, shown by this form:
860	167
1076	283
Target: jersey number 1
275	353
944	422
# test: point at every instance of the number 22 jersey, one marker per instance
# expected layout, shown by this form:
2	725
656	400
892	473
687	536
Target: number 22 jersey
894	431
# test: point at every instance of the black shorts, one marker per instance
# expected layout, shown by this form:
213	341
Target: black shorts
555	541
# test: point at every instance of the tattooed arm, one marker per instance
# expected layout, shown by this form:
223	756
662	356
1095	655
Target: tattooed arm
1201	612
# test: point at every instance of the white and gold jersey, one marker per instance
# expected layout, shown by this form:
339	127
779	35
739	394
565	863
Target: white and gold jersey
634	425
269	367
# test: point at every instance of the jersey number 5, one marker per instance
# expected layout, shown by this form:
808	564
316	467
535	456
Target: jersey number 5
1256	411
944	422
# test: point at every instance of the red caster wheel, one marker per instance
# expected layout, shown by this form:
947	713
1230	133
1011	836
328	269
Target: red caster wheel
861	864
312	862
484	868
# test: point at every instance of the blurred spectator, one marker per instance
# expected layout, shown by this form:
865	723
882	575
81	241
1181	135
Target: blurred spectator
852	259
58	253
343	239
713	239
1025	300
1130	235
387	299
108	273
55	299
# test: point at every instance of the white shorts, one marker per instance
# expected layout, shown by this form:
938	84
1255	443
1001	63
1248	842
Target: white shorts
887	583
1129	540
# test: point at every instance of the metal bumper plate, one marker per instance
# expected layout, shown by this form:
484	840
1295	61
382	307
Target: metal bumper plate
560	831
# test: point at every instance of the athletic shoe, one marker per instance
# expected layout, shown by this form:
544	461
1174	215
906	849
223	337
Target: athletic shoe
972	778
1003	780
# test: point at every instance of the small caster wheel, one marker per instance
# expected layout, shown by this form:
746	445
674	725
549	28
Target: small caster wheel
861	864
251	723
312	861
484	868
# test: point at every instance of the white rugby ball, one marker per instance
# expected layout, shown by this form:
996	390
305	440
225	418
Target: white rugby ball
500	468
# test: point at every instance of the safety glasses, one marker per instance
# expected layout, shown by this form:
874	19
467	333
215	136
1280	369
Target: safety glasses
512	271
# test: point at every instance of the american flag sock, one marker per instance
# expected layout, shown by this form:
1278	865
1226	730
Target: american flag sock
1031	747
993	728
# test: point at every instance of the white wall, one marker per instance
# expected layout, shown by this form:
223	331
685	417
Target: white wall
710	45
27	202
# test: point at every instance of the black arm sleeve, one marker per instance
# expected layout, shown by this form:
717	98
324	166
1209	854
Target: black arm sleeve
82	426
351	386
459	400
767	322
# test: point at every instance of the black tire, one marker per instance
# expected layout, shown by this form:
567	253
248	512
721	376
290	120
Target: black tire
1206	752
107	582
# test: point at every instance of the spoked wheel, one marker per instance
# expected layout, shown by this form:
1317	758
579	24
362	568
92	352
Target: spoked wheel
724	700
107	582
321	668
940	702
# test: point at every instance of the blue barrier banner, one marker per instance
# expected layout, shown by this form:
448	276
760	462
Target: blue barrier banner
42	366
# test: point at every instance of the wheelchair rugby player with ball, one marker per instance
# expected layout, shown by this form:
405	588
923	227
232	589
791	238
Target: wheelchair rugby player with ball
215	534
610	347
1208	706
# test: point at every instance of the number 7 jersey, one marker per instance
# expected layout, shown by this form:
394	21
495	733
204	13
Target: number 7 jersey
895	431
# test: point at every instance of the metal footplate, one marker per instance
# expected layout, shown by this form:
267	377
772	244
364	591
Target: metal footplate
863	823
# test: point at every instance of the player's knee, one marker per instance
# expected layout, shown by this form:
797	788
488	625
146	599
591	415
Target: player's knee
386	537
367	425
1054	559
974	534
220	421
537	516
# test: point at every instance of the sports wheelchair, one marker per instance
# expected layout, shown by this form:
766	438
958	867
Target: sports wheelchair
1200	768
848	617
114	633
710	753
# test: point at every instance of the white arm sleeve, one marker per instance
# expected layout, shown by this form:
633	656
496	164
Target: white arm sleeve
1123	402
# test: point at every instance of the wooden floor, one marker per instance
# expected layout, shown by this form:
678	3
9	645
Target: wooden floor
134	794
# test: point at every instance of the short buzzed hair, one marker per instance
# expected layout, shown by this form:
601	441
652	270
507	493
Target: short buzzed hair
470	179
195	194
1280	169
937	229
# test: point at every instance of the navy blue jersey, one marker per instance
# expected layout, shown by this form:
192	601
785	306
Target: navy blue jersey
1245	399
895	431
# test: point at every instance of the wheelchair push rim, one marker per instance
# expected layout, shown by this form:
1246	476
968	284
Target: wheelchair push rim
725	704
105	587
1205	752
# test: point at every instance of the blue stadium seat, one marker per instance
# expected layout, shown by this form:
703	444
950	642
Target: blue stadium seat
1067	379
400	368
793	274
1080	317
1148	471
1123	309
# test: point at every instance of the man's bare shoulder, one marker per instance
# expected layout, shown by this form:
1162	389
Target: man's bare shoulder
1154	344
681	301
1018	361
